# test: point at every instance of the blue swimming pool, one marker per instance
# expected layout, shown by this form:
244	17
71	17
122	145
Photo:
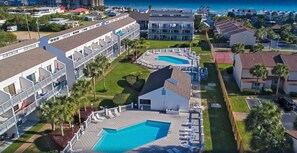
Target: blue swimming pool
118	141
173	60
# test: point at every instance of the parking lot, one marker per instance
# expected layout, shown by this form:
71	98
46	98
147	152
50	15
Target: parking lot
287	119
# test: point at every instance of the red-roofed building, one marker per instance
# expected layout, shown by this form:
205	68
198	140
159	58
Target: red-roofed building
243	62
235	32
80	11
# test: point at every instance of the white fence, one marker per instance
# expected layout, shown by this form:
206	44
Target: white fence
87	122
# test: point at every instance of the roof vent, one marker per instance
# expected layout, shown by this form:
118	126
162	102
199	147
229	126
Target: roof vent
174	82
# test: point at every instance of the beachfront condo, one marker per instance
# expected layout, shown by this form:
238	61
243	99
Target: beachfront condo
29	76
171	25
78	46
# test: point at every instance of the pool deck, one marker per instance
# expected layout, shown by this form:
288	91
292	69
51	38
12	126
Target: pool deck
152	58
131	117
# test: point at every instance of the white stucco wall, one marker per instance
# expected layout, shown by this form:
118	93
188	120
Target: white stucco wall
245	37
292	75
237	70
170	100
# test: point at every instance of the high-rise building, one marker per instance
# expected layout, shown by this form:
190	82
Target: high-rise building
73	4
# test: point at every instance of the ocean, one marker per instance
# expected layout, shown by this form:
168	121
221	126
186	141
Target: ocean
218	6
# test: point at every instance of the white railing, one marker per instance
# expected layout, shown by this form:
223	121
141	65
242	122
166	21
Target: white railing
7	124
127	33
93	54
27	110
30	91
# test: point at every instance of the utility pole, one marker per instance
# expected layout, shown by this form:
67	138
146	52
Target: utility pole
28	27
38	27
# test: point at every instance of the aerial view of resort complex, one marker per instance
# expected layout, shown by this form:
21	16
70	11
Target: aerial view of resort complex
148	76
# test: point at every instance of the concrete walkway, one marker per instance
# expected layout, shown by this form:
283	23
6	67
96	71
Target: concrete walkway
30	141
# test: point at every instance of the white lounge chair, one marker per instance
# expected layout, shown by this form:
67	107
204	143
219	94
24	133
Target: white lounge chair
186	130
94	119
99	117
110	114
116	113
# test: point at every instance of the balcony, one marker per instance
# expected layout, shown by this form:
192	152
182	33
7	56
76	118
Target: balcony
95	50
126	32
27	110
7	125
25	93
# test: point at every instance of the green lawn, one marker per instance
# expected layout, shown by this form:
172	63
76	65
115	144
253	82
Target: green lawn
217	128
115	82
246	136
24	138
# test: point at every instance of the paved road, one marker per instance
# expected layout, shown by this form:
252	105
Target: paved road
281	45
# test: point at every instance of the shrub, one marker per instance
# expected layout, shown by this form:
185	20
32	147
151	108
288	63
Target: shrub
131	79
267	91
120	99
138	85
293	94
230	70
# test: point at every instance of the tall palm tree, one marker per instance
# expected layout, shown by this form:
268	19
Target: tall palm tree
238	47
76	98
271	35
280	70
261	33
258	71
82	87
71	111
103	63
92	71
135	45
48	112
62	112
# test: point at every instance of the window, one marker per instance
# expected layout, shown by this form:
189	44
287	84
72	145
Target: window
32	77
10	89
49	68
145	101
255	85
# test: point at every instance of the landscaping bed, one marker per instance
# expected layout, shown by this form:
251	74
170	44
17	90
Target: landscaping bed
62	141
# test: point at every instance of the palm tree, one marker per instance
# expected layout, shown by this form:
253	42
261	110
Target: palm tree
82	87
76	98
280	70
271	35
61	112
257	47
150	7
261	33
238	47
92	71
103	64
135	45
71	111
126	42
48	112
259	71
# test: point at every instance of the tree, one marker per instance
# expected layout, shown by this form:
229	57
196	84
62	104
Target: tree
91	70
219	38
71	111
62	112
125	42
258	71
280	70
236	48
7	38
150	7
261	33
268	133
48	112
131	79
257	47
103	64
120	99
231	15
82	87
76	98
271	35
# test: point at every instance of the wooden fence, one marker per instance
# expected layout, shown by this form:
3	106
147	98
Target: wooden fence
235	130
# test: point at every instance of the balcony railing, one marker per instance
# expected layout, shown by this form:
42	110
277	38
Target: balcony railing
94	54
27	110
135	28
7	125
30	91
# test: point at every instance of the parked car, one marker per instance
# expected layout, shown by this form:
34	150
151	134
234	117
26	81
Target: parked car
286	103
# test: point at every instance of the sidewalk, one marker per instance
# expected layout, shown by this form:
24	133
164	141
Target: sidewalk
23	147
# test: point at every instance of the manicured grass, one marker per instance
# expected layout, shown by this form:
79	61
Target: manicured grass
246	136
157	44
24	138
217	128
115	81
238	102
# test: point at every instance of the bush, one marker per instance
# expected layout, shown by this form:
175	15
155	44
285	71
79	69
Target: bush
184	45
120	99
138	85
267	91
293	94
230	70
131	79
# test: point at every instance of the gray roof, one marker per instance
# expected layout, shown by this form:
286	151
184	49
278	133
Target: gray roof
19	63
171	18
74	41
71	29
120	23
160	78
114	17
171	12
139	16
17	45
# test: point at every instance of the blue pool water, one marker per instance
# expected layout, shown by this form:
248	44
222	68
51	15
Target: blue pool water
173	60
118	141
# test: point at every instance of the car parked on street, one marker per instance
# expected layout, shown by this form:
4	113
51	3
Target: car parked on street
286	103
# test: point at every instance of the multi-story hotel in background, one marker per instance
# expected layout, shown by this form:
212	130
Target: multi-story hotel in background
36	70
171	25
